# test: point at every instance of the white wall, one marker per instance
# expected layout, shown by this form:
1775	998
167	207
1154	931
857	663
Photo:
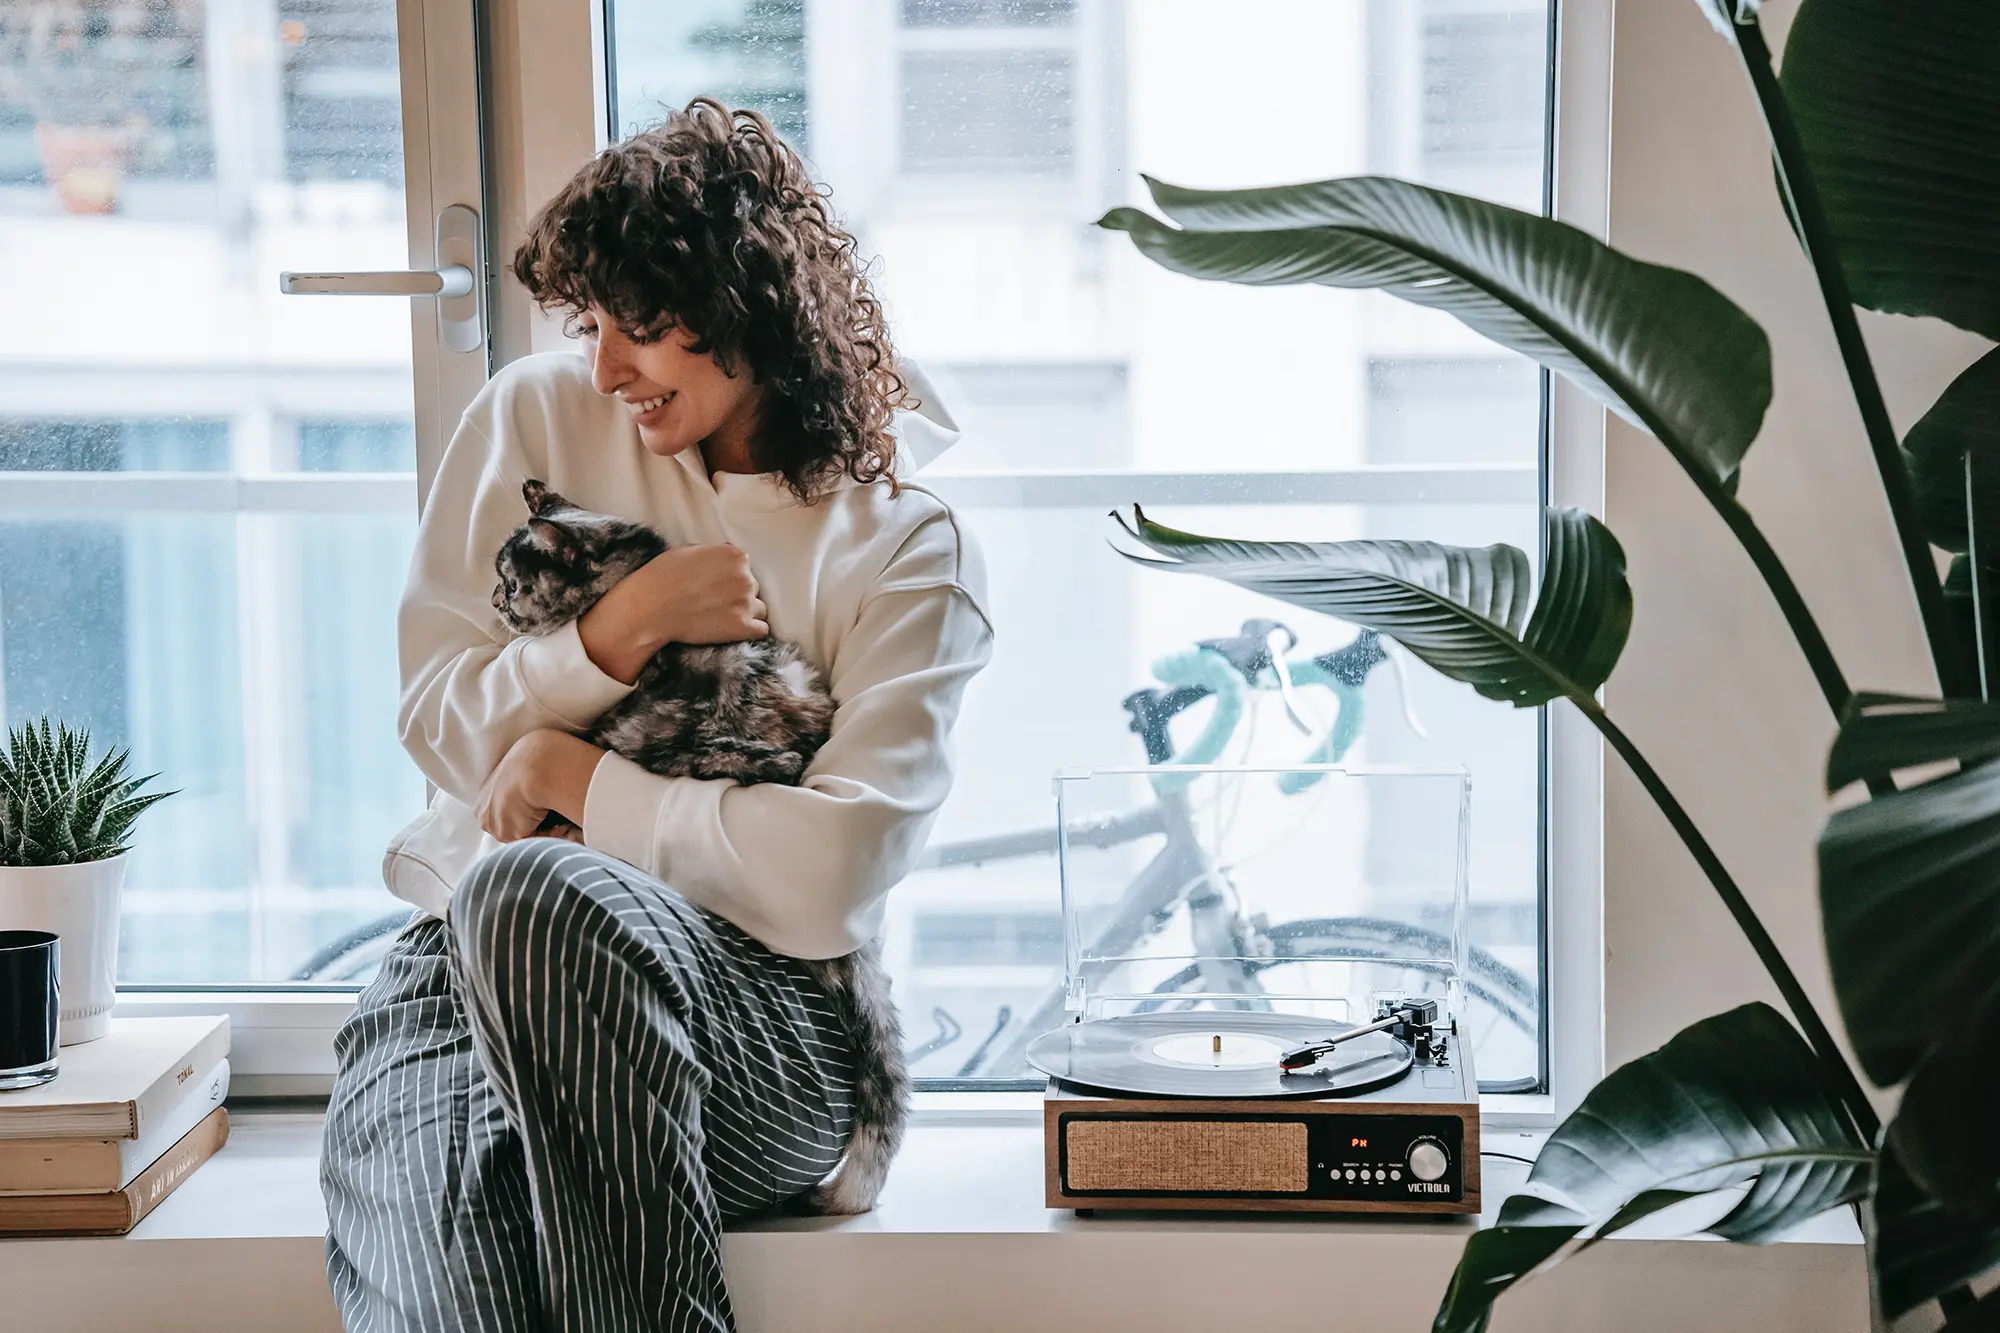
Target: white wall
1711	687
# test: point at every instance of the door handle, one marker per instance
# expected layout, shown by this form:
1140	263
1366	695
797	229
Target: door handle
461	301
452	280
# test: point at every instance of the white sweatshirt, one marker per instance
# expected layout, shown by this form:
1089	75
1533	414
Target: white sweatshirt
885	592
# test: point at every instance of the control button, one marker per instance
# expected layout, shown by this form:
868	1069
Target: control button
1427	1161
1350	1173
1395	1175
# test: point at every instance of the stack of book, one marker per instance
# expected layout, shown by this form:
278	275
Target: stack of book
127	1118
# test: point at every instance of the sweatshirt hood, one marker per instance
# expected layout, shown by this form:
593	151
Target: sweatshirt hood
925	431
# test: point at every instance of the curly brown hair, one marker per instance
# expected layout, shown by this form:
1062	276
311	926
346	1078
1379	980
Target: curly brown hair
709	223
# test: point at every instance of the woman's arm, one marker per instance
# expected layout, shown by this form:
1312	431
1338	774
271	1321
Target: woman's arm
696	594
803	868
545	772
471	689
691	594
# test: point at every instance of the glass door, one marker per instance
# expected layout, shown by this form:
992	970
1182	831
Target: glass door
207	486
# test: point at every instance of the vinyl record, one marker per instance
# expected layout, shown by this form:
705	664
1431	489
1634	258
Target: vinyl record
1177	1055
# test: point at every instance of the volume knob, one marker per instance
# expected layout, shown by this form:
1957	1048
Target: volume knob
1427	1161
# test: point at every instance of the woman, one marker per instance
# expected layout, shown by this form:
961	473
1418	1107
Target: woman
580	1061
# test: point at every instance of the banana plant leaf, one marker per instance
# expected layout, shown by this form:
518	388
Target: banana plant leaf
1660	347
1498	1257
1737	1099
1964	420
1471	613
1896	104
1982	1316
1881	733
1910	892
1942	1130
1921	1246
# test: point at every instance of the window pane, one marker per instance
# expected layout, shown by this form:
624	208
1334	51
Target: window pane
173	445
987	13
1483	87
357	446
987	112
343	94
746	52
970	145
160	163
148	629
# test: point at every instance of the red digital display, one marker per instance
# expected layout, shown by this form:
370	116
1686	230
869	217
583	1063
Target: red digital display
1357	1143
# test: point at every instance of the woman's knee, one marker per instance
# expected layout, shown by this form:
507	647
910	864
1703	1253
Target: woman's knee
493	909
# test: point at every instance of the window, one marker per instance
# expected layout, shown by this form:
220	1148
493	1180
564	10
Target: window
1482	87
987	88
993	111
207	494
969	144
1458	93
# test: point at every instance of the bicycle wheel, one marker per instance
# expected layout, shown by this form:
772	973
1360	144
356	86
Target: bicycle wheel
352	956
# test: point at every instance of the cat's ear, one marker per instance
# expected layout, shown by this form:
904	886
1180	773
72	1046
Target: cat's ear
548	536
540	498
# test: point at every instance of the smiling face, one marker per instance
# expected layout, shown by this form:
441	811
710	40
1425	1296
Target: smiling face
678	398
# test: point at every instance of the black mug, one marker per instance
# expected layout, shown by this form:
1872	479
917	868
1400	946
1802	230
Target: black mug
30	965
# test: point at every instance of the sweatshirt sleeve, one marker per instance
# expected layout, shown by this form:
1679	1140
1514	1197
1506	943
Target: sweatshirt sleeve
470	687
804	869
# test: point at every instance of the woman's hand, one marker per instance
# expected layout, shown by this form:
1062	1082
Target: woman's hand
691	594
543	771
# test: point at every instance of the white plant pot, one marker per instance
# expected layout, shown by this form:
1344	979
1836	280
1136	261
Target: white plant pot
78	903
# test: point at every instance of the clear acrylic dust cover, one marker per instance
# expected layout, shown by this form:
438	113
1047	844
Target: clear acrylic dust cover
1309	890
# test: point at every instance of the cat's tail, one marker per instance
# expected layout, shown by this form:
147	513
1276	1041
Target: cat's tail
859	986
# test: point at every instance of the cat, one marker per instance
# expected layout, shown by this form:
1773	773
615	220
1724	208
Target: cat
754	712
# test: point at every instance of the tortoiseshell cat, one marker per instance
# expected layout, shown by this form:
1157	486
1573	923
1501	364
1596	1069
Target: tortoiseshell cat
754	712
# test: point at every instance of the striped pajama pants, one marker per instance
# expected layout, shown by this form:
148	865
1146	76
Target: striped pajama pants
547	1107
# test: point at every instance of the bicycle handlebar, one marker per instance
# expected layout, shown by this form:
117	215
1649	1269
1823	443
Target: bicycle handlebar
1155	708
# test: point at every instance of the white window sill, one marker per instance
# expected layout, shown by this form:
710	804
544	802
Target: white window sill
281	1045
961	1240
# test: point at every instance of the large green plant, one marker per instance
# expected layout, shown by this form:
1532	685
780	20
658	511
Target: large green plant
1882	128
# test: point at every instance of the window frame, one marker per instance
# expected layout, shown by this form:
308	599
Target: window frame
283	1036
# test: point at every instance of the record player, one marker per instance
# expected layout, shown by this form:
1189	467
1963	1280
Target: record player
1265	997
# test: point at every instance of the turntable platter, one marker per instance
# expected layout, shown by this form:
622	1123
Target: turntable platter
1215	1054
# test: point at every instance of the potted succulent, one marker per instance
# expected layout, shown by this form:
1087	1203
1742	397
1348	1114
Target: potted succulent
65	825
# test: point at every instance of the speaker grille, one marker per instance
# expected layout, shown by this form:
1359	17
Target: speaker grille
1184	1155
